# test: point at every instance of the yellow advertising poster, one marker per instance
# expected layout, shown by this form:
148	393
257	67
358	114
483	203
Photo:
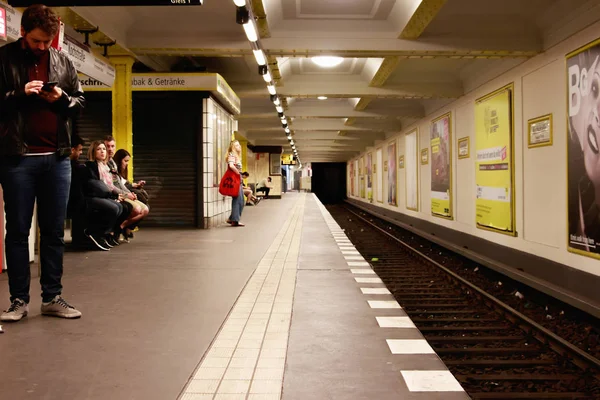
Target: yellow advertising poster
441	167
494	162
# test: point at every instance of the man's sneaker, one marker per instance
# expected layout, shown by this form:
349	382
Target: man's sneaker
58	307
98	241
110	239
17	310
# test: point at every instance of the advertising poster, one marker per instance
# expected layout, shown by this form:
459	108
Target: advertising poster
411	170
441	167
392	175
355	178
352	172
369	173
379	174
361	168
494	162
583	151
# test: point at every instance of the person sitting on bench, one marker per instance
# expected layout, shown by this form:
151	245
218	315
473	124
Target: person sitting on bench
264	186
253	200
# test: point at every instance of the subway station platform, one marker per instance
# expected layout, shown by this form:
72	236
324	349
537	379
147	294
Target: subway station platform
283	308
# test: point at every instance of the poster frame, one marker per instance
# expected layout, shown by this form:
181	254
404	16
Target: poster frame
380	173
425	156
416	209
510	87
401	162
534	121
569	55
466	139
451	187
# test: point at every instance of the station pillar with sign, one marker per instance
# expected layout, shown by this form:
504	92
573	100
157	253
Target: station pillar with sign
122	113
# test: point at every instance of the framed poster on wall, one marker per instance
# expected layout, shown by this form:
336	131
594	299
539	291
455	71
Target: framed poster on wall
411	170
369	169
441	166
392	175
275	164
352	172
494	149
539	131
583	130
379	174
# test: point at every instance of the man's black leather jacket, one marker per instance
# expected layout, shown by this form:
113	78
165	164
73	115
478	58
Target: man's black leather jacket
13	100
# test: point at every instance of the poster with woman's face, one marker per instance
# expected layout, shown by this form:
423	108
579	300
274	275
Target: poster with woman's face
583	103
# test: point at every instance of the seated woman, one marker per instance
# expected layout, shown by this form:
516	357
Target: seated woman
248	192
122	158
105	208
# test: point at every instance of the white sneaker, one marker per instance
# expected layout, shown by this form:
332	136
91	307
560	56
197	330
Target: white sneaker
58	307
17	310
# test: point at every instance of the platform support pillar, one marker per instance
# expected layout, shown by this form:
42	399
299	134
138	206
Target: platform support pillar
122	113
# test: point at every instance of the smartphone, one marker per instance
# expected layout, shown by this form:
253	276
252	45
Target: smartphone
48	86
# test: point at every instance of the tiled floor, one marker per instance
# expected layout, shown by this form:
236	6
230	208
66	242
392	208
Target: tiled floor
247	358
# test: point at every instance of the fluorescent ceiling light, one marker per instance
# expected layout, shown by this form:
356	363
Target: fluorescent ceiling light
271	90
287	130
279	109
250	31
260	57
327	61
322	97
277	102
239	3
289	137
283	120
267	77
292	143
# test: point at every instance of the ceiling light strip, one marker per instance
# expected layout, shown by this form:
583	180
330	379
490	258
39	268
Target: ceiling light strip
246	18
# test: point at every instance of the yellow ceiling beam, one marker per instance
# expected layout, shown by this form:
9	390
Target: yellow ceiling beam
421	18
262	25
363	103
401	54
387	67
350	121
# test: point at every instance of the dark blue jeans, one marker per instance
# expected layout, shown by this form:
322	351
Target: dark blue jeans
25	179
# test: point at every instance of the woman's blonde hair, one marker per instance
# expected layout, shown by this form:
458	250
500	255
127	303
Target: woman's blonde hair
231	149
92	150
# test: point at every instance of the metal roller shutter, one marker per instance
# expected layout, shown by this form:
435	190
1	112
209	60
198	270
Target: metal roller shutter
96	120
165	130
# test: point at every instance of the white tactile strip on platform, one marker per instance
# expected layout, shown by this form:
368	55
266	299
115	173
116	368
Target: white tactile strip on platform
247	358
416	381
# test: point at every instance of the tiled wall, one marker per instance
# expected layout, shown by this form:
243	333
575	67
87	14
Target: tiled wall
216	207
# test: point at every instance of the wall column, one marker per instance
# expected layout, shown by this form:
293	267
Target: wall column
122	125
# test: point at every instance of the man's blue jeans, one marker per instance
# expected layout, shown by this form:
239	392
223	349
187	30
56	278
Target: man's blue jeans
24	179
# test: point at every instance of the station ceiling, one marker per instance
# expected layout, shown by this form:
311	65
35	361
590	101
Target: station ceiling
402	59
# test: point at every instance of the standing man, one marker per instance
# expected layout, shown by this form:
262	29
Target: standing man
39	96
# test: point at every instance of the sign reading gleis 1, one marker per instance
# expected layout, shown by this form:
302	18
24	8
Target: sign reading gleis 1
174	82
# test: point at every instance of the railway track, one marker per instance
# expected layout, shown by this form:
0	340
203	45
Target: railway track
493	350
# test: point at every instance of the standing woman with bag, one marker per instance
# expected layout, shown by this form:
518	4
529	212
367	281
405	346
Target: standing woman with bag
234	163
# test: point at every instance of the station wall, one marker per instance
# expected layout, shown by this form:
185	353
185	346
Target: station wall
540	174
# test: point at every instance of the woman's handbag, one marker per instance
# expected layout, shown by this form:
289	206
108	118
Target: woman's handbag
230	184
142	195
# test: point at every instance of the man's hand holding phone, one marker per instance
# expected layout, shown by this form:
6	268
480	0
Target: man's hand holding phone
50	92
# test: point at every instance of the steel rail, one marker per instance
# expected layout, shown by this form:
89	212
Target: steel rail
587	359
